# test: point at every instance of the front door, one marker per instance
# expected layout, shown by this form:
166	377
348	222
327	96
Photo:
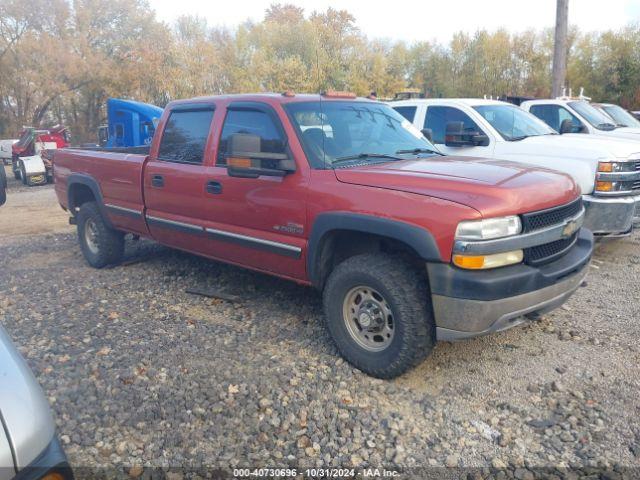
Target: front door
257	222
437	118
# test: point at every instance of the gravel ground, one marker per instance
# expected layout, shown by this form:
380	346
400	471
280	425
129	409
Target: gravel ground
140	373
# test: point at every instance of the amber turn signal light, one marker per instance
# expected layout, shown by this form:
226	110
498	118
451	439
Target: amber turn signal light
482	262
604	186
605	167
239	162
53	476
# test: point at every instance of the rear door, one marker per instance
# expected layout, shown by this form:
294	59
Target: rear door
174	179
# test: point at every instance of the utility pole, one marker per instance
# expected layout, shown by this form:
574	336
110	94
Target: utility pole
559	72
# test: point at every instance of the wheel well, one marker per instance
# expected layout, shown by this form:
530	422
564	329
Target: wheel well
78	195
338	245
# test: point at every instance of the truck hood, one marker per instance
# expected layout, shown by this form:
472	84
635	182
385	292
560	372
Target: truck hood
597	147
574	153
623	132
492	187
23	408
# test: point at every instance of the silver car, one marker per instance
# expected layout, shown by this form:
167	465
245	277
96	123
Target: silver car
29	447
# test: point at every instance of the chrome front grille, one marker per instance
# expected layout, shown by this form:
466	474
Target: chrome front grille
545	253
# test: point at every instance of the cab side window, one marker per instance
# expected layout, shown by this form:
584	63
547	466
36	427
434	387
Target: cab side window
438	117
185	136
554	115
252	122
407	112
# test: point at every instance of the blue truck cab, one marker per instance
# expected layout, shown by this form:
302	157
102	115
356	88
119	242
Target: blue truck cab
130	124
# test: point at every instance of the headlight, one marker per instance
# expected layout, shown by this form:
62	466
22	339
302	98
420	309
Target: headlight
481	262
489	228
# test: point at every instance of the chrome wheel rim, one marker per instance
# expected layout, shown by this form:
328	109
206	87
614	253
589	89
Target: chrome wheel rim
91	236
368	318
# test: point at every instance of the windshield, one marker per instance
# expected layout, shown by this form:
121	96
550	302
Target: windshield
512	122
337	131
621	116
598	119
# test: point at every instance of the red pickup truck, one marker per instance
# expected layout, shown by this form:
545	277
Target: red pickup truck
341	193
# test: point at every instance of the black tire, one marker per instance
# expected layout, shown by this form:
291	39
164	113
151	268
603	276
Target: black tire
108	245
3	185
16	171
404	288
3	177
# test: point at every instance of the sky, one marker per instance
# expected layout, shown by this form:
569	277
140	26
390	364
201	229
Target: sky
421	20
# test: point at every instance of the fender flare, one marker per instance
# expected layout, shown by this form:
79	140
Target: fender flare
419	239
92	184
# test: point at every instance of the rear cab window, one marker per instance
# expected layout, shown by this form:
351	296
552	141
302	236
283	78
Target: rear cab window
185	135
408	112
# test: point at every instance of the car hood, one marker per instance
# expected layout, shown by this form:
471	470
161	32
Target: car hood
23	408
492	187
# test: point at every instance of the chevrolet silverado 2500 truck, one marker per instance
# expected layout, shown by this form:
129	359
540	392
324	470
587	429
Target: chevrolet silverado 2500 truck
407	245
606	169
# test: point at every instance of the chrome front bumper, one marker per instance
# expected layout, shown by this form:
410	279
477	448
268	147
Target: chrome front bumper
611	215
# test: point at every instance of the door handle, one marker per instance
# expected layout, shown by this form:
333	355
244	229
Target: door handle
214	187
157	181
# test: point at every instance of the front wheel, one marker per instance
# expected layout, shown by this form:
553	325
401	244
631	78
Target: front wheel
100	244
378	313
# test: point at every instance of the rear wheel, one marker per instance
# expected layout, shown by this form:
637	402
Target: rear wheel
378	313
100	244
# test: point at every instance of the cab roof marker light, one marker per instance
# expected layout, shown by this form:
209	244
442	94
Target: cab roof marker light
338	94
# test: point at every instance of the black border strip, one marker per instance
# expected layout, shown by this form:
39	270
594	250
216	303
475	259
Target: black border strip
126	212
255	243
173	225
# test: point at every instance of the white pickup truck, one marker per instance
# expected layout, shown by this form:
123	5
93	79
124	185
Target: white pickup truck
5	150
606	169
570	115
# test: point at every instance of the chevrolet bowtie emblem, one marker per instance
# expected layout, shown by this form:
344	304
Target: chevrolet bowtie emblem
569	229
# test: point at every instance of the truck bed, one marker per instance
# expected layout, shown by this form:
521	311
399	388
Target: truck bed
120	180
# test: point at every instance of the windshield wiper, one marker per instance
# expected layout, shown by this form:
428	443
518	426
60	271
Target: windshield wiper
416	151
363	156
521	137
607	126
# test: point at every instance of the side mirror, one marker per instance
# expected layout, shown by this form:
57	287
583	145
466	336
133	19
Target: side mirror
455	136
428	134
245	160
480	139
566	126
